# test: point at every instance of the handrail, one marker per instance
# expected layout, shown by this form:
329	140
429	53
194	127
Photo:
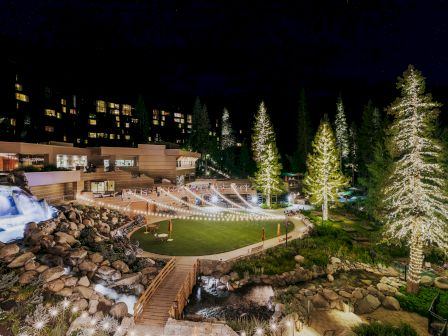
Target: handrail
184	292
148	293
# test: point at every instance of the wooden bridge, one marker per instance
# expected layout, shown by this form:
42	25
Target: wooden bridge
167	294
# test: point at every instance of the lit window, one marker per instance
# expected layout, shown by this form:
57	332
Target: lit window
178	115
101	135
155	114
65	138
64	109
135	120
92	115
180	125
183	131
117	124
177	120
63	102
50	113
73	111
12	122
59	115
189	118
241	131
78	140
115	111
163	118
92	122
113	105
155	122
22	97
117	118
127	137
118	136
49	129
162	123
182	121
210	133
126	125
189	126
165	113
92	135
111	136
19	87
101	106
127	110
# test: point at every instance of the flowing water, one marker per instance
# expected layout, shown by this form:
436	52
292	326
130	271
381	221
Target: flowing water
17	208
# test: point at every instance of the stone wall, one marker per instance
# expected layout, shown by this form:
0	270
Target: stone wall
177	327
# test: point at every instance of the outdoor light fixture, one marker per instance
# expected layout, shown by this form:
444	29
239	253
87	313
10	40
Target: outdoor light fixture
214	199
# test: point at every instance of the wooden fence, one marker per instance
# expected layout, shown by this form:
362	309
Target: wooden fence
148	293
184	292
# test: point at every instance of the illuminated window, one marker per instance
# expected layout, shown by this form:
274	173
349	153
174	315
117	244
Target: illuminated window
78	140
163	118
155	122
59	115
183	131
92	115
22	97
165	113
111	136
189	126
50	113
182	121
101	135
118	136
162	123
117	118
127	137
64	109
92	122
155	114
101	106
241	131
180	125
115	111
127	110
65	138
92	135
63	102
126	125
12	122
135	120
19	87
189	118
73	111
117	124
49	129
114	106
210	133
178	115
177	120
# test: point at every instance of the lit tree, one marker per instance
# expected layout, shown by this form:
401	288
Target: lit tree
263	133
341	131
142	135
267	178
324	176
353	151
415	195
227	138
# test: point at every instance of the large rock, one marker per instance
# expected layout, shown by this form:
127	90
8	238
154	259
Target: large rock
367	305
96	258
119	310
27	277
87	266
391	303
330	294
62	237
78	254
53	273
86	292
335	260
120	266
129	279
55	286
9	250
441	282
31	265
149	270
70	281
426	280
93	306
108	273
21	260
319	302
299	259
84	281
65	292
80	305
386	289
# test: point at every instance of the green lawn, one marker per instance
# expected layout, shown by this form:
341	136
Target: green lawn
194	237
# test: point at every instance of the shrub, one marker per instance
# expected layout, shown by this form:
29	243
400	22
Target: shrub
379	329
421	301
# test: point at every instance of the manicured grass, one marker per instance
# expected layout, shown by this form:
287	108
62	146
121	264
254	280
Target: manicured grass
197	237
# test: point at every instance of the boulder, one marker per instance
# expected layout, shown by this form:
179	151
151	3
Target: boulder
390	271
319	302
70	281
41	268
335	260
21	260
87	266
149	270
120	266
345	294
84	281
367	305
86	292
299	259
129	279
391	303
62	237
96	258
426	280
9	250
55	286
330	294
441	282
108	273
79	305
234	276
65	292
78	254
93	306
53	273
119	310
386	289
330	278
31	265
27	277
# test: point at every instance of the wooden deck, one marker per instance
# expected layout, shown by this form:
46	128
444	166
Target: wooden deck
168	297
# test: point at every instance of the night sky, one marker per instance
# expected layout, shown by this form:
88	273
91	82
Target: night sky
232	53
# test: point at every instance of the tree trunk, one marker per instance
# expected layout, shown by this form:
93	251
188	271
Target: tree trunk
268	200
415	266
325	208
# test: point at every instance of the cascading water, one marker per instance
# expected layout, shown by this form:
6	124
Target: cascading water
17	208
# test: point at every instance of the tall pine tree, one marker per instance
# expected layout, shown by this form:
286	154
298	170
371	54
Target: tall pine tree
352	163
266	156
324	176
200	140
227	137
303	135
143	128
415	196
341	129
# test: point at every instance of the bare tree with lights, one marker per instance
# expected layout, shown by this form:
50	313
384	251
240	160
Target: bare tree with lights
324	176
415	193
227	138
341	128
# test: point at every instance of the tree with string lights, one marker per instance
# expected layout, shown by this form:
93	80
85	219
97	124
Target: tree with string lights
324	176
227	137
415	193
341	129
263	132
353	151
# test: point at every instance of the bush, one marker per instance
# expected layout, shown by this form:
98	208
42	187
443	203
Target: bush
379	329
421	301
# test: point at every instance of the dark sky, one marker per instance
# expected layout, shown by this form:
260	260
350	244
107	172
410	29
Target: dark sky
232	53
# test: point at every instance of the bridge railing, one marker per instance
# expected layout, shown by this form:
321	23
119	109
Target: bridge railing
184	292
151	289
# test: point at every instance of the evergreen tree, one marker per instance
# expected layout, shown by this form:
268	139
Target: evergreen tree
341	132
267	178
143	128
246	165
262	134
227	137
266	156
324	176
200	140
415	196
303	135
353	151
